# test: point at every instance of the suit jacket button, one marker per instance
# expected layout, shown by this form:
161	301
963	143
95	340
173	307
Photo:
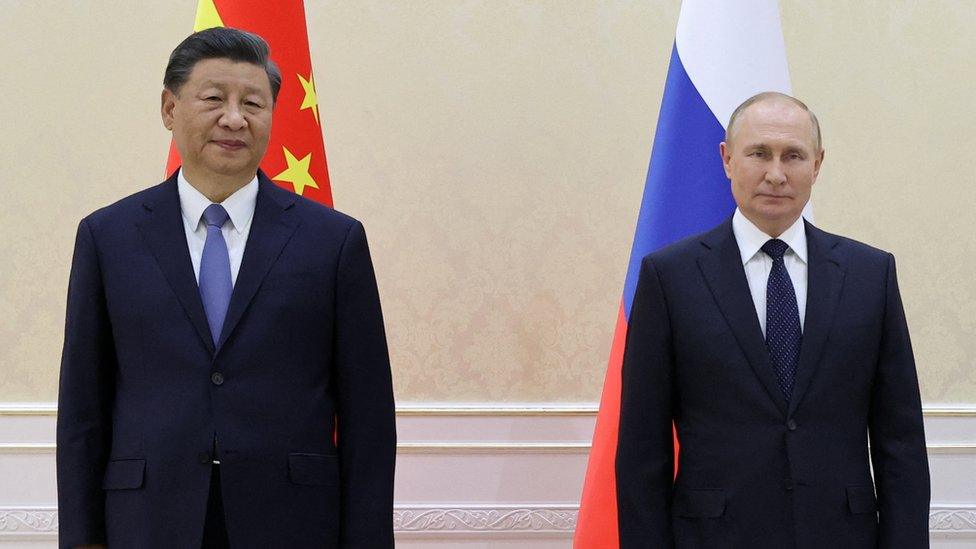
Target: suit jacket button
791	425
203	457
217	378
788	484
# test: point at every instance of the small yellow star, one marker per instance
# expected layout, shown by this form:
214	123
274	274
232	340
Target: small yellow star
311	100
297	172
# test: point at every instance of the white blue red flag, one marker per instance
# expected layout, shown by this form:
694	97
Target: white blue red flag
724	52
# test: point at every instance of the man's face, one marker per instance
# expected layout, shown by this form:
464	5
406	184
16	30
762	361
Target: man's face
773	161
220	119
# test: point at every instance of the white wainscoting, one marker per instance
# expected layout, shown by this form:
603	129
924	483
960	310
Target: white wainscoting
473	476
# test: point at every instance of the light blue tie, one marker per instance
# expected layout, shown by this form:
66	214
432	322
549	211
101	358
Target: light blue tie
215	284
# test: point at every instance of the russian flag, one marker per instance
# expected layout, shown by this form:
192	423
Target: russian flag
724	52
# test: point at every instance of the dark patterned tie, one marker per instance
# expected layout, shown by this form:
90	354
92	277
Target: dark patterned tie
783	335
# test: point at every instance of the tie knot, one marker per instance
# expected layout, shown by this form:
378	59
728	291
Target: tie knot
215	216
775	248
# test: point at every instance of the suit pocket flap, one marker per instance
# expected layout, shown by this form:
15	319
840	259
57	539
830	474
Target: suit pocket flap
861	499
313	469
699	503
123	474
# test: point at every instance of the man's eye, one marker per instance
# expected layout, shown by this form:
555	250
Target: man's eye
212	98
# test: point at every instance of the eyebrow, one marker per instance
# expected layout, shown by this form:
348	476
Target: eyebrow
221	86
764	146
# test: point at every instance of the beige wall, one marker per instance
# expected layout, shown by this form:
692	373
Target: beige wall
496	152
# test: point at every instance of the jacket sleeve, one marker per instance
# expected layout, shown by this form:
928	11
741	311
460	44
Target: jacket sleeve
645	444
85	399
898	454
364	393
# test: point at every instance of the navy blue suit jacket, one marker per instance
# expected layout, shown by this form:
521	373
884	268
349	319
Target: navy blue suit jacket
756	470
145	391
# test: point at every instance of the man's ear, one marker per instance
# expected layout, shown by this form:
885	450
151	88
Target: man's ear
726	152
167	104
817	164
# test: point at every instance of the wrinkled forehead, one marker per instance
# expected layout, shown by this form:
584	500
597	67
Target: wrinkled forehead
222	73
776	117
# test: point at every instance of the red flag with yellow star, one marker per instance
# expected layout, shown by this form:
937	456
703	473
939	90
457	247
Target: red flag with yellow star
296	152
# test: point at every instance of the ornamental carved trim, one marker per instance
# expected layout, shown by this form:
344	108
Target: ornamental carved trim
40	520
498	519
43	521
945	519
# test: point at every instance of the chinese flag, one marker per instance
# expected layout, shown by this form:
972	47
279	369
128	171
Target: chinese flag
296	153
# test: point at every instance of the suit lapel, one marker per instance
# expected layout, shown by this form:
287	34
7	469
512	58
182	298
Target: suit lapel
162	230
271	229
721	265
825	278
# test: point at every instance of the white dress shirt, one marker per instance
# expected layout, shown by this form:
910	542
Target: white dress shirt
757	264
240	208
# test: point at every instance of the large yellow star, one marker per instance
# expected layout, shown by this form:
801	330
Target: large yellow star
207	16
311	100
297	172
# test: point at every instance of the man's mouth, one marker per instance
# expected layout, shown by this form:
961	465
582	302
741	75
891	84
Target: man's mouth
230	144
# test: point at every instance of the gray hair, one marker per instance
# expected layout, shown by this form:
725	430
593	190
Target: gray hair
767	96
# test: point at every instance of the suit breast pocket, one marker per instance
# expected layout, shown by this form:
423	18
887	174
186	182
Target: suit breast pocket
856	333
854	350
299	300
699	332
703	348
292	280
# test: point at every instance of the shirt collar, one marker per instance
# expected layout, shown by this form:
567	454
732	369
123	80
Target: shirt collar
750	238
239	206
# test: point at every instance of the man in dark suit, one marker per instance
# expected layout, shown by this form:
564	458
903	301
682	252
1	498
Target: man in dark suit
777	351
225	377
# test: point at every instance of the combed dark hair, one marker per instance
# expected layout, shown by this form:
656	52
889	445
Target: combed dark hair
220	43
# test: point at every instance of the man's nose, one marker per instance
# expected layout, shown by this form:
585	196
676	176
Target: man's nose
232	119
775	174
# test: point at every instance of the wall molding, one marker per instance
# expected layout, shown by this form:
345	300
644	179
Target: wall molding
535	519
957	411
468	519
506	448
959	519
35	522
474	409
27	447
519	470
496	410
951	448
28	409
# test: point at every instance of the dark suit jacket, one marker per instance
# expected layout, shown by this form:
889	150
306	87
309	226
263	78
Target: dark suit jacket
756	470
144	390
